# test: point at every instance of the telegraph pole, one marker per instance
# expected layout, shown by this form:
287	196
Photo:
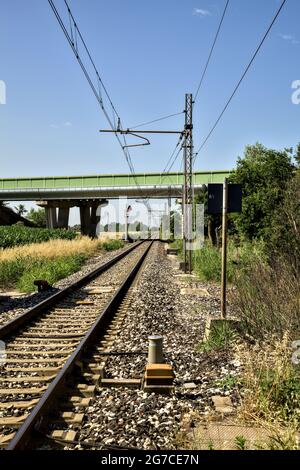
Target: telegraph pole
187	198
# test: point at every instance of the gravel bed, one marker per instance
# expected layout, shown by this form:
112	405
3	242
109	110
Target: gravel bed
12	307
111	278
131	418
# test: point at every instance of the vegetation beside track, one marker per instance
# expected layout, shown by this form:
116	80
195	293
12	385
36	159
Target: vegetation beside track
264	267
16	235
52	260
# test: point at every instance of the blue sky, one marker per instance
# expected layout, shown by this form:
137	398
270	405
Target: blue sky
149	55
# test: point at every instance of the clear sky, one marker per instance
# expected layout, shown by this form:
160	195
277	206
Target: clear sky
149	54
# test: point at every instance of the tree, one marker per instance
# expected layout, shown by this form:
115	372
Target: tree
264	174
38	217
20	209
297	155
285	234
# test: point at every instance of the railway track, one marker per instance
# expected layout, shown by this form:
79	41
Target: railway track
55	353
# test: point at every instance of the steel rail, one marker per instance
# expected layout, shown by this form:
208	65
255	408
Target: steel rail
13	325
36	418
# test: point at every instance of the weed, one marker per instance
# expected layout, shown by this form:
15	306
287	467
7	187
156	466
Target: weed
222	336
240	442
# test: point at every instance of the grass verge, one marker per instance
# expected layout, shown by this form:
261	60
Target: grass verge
52	261
270	393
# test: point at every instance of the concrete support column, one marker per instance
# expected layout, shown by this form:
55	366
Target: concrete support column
95	219
51	218
63	217
85	219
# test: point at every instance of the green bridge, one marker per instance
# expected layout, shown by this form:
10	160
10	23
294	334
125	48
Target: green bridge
141	185
58	194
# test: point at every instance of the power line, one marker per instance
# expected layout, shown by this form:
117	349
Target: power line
156	120
72	39
241	79
212	50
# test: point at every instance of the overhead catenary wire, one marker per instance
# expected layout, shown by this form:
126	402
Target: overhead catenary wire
241	79
72	39
211	51
156	120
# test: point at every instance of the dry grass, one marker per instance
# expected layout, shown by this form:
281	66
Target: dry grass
52	249
267	300
270	393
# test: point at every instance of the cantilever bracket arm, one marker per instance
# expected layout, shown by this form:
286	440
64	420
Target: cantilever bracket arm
136	145
133	131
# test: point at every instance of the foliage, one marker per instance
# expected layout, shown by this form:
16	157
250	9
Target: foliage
285	229
18	235
37	216
263	174
20	209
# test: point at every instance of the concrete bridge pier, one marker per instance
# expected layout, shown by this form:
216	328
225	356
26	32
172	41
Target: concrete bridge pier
63	217
90	213
85	218
51	217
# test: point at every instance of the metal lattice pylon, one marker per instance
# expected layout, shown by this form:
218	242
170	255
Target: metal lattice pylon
188	181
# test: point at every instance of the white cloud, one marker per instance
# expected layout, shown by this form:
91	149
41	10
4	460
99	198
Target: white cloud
59	126
201	12
289	38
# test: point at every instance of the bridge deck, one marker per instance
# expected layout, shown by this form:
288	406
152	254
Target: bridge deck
109	186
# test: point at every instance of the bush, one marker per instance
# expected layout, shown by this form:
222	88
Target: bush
18	235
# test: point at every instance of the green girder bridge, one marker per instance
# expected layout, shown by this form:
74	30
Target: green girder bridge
157	185
58	194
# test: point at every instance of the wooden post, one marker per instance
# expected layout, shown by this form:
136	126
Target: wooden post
224	248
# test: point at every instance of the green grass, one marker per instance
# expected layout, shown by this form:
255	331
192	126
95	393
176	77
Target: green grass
112	245
207	261
221	336
16	235
50	270
240	442
23	272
